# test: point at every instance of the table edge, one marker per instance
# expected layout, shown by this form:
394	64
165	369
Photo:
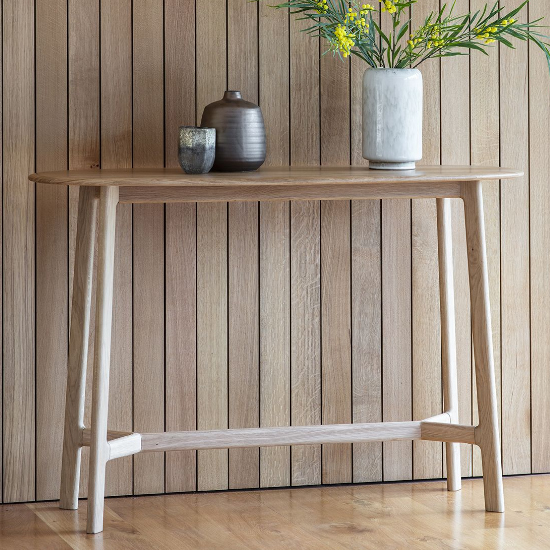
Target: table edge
47	178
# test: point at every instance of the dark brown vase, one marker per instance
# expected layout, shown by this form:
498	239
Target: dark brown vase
240	133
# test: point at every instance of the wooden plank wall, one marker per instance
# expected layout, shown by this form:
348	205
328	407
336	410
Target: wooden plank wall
259	314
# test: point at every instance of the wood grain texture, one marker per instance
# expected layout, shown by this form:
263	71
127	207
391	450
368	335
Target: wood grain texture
336	334
243	325
181	244
487	433
515	316
426	340
52	317
99	448
484	149
335	269
84	142
449	368
396	332
211	52
295	518
116	152
276	175
456	127
18	255
242	48
540	264
274	82
305	329
366	332
79	342
293	435
148	240
305	231
244	407
153	194
305	94
274	337
212	345
274	93
212	326
366	299
181	339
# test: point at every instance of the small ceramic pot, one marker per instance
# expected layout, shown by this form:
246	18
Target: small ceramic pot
240	133
392	118
197	149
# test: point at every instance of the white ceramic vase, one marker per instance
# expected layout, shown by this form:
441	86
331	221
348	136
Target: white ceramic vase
392	118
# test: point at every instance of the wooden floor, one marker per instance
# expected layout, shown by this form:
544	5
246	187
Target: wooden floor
412	515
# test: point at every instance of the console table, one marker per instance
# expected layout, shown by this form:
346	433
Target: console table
102	190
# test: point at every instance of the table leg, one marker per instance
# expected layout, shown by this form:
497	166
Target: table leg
99	449
78	347
487	434
448	335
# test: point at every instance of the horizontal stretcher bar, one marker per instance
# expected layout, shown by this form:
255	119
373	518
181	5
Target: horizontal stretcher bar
125	443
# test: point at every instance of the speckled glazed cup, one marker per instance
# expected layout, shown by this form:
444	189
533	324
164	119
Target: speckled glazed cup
197	149
392	118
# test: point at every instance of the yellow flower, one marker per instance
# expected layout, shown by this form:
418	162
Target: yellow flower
322	6
345	40
410	43
388	6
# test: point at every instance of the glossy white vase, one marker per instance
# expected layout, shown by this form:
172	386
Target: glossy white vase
392	118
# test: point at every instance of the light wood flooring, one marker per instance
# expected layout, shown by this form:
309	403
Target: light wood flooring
404	515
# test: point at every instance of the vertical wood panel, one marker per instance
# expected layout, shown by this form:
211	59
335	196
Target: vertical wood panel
336	331
396	325
539	116
242	74
274	246
51	245
274	82
396	332
116	152
455	149
181	247
274	337
18	252
148	242
426	338
514	148
366	300
212	398
84	143
335	269
305	232
242	48
211	81
485	130
305	335
243	338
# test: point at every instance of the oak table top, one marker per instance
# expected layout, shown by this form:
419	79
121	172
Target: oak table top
165	185
318	175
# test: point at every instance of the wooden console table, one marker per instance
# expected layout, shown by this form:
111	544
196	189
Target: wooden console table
106	188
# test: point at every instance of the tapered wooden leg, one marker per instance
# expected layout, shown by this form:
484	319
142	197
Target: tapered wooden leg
99	450
448	335
78	347
487	433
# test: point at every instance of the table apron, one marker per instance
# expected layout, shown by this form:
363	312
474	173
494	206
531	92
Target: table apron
266	192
